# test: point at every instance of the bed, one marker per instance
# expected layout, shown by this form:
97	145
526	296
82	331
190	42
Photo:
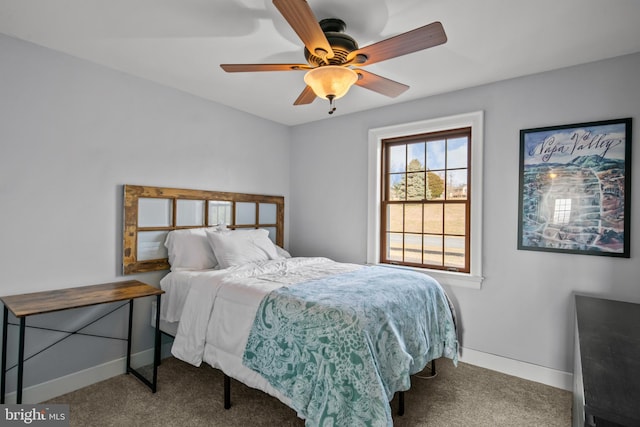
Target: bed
334	341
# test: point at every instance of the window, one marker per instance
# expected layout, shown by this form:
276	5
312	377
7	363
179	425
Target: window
425	198
562	211
424	201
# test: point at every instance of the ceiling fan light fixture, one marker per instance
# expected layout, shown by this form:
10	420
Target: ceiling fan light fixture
330	81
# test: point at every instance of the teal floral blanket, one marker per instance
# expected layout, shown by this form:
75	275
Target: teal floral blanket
341	346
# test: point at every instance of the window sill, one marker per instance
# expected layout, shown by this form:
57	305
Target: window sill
447	278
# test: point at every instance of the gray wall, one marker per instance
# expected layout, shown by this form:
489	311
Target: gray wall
524	310
71	134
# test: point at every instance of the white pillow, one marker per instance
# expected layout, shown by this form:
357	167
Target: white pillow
241	246
190	250
283	253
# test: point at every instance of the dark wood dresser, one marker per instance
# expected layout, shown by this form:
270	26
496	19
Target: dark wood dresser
606	375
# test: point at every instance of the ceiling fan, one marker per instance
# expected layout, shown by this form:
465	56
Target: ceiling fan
334	58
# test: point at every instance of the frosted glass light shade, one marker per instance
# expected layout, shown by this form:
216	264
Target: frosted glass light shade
330	80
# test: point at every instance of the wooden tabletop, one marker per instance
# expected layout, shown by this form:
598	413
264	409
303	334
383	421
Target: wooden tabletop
62	299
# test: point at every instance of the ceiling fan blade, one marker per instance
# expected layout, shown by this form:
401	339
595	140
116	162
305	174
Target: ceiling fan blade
380	84
306	97
301	18
238	68
412	41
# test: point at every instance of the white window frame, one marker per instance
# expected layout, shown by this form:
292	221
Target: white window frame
475	120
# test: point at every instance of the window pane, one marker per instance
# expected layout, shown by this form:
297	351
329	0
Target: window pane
415	186
268	213
416	155
155	212
435	185
455	219
395	213
413	248
394	247
219	212
413	218
454	252
433	218
189	212
457	184
245	213
397	158
457	153
435	155
432	250
151	245
396	190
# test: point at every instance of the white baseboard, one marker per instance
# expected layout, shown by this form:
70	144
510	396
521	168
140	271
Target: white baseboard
77	380
528	371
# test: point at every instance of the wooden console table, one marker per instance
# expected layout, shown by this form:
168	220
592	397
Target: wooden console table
25	305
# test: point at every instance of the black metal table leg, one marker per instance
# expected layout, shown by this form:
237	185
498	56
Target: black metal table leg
156	349
156	353
129	336
20	360
4	354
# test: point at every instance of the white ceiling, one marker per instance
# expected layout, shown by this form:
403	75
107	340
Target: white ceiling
180	43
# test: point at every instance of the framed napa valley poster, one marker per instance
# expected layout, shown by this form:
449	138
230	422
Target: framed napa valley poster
575	188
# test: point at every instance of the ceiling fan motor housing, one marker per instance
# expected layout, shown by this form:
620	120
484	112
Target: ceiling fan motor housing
341	43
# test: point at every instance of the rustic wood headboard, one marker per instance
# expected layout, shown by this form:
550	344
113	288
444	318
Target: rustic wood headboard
150	213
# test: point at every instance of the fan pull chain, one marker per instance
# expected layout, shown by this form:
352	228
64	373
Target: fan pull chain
332	106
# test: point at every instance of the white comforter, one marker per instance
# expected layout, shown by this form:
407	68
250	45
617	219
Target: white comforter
218	310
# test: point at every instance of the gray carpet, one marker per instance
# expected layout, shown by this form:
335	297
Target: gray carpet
189	396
